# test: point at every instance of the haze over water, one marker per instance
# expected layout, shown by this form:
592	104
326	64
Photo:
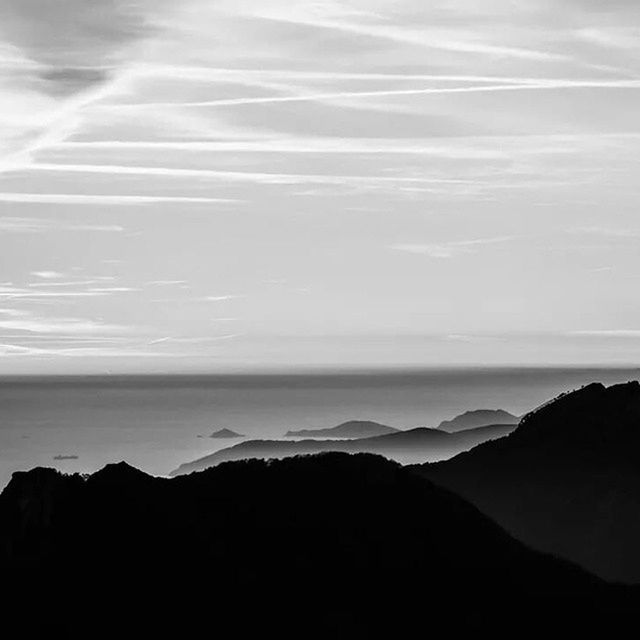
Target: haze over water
153	422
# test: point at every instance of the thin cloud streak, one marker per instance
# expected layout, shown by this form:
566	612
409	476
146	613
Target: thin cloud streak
608	333
317	97
422	39
113	200
13	224
449	249
237	176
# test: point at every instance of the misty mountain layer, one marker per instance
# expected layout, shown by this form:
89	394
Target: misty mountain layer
411	446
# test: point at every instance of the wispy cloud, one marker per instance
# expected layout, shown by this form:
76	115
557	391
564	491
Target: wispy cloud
72	326
165	283
222	298
428	38
23	320
608	232
194	339
542	85
450	249
32	293
244	176
111	200
608	333
13	313
320	132
13	224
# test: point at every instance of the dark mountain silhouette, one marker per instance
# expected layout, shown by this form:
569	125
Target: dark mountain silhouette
478	418
410	446
330	544
567	481
351	429
226	433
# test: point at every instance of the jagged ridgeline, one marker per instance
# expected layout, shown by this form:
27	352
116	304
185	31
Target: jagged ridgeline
567	481
335	544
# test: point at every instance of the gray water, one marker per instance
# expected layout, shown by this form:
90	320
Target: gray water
153	422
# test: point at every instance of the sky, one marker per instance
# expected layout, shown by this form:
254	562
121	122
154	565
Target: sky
217	185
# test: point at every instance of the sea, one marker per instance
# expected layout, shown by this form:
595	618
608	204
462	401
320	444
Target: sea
157	422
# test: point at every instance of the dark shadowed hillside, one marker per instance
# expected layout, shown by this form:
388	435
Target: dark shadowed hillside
478	418
326	544
350	429
411	446
566	481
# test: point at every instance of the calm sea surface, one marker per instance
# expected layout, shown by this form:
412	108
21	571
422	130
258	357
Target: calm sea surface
153	422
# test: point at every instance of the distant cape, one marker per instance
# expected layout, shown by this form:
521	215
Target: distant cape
478	418
350	429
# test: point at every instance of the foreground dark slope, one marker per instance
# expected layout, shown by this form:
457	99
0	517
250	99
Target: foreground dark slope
330	543
411	446
566	481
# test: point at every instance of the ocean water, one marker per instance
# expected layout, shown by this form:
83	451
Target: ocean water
154	422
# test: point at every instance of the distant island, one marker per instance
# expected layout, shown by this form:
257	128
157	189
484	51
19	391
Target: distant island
65	457
348	430
226	433
478	418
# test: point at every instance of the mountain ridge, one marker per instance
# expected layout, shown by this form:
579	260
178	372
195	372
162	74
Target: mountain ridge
478	418
566	481
410	445
155	552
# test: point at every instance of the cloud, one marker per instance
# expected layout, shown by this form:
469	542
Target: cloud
608	333
21	293
13	313
239	176
75	44
70	283
59	325
47	275
113	289
103	199
194	340
165	283
434	38
449	249
222	298
13	224
66	55
13	350
607	232
29	323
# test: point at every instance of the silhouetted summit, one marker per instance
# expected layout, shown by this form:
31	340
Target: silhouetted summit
410	446
118	474
350	429
325	544
478	418
226	433
567	480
